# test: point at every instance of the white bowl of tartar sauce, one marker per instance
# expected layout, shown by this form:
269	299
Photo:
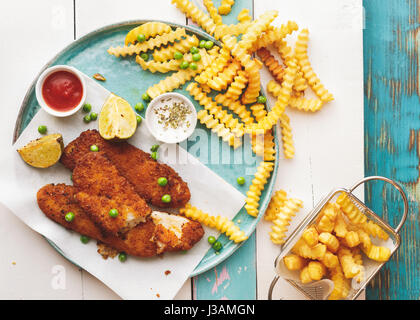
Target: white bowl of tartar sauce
171	117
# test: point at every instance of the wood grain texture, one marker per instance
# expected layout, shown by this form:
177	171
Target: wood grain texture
392	134
329	143
28	264
235	278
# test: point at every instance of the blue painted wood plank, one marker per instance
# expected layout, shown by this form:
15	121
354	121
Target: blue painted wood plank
392	134
236	278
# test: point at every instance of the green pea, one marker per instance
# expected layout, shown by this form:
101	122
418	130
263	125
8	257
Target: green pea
193	66
178	55
209	45
87	107
162	181
122	257
211	239
145	97
87	118
202	44
184	65
139	107
42	129
84	239
154	148
93	116
113	213
94	148
240	180
154	155
139	119
166	198
144	56
262	99
217	246
69	216
194	50
196	57
141	37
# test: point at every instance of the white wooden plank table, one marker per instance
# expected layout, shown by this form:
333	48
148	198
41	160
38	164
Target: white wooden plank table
329	145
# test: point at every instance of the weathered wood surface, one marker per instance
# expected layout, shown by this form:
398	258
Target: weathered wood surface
392	134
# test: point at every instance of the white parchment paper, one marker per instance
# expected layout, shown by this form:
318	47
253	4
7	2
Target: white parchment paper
137	278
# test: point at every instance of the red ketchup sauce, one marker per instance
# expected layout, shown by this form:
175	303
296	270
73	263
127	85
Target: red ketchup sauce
62	91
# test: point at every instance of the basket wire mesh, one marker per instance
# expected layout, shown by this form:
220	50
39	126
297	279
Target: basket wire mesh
320	290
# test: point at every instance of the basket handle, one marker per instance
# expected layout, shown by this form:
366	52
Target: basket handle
397	186
272	285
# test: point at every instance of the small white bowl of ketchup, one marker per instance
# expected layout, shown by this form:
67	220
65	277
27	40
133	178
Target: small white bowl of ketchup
61	90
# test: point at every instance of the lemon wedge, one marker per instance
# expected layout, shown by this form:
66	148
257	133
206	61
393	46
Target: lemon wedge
117	119
43	152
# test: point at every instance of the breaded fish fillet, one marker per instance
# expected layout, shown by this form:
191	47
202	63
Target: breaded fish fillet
56	201
135	165
100	189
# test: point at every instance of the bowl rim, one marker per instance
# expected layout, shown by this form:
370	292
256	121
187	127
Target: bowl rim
183	98
40	83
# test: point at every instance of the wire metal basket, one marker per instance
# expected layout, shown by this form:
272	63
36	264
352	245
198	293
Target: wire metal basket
320	290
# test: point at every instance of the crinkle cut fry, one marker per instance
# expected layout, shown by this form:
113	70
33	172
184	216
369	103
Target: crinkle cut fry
154	66
253	195
314	82
274	35
212	10
282	220
196	15
220	62
263	145
224	78
218	128
302	104
231	29
147	45
275	68
258	111
244	16
235	88
220	223
226	6
236	107
180	77
287	54
148	29
166	66
286	132
252	68
276	203
282	101
183	46
225	118
257	27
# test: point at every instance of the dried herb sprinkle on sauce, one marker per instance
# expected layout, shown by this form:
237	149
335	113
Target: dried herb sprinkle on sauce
173	115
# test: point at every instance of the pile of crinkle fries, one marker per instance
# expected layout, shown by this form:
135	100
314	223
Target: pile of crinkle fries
233	72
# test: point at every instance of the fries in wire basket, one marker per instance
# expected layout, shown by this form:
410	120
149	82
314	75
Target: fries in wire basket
336	246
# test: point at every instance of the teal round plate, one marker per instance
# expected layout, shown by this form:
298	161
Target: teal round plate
89	55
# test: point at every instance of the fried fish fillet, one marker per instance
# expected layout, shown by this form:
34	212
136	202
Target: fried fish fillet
135	165
100	189
145	240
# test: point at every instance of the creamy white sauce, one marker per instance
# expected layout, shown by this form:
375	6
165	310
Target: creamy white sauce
161	127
